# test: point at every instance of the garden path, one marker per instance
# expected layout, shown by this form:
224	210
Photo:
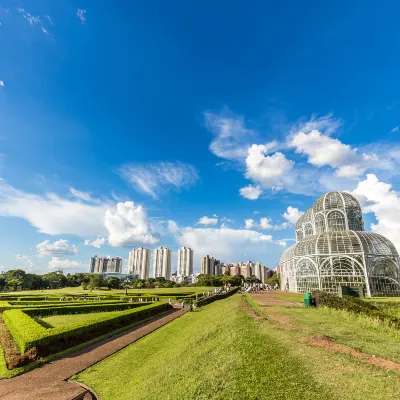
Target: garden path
50	380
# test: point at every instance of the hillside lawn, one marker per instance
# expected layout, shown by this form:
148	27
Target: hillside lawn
220	352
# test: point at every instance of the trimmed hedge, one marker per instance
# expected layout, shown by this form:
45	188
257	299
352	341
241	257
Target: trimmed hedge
353	305
211	299
80	309
28	333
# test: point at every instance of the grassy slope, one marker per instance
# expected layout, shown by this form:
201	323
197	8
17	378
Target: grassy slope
345	377
214	353
79	292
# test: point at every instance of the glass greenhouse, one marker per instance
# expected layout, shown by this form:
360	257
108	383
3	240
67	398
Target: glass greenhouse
332	249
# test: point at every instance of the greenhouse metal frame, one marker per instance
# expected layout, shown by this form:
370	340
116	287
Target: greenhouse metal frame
332	249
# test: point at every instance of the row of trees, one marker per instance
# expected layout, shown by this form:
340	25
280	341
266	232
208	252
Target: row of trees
220	280
18	279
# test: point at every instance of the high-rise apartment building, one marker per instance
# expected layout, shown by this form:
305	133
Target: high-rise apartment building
260	272
207	265
185	262
139	262
162	263
101	265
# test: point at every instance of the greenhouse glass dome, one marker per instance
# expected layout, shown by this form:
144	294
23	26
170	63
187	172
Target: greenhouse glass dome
332	249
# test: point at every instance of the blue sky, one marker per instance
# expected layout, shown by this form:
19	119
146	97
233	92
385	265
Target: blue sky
172	123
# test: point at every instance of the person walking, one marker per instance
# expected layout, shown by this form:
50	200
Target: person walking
183	304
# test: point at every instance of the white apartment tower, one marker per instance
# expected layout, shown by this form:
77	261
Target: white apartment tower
259	271
162	263
185	262
207	265
139	262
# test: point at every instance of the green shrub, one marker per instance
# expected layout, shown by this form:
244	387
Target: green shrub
211	299
28	333
354	305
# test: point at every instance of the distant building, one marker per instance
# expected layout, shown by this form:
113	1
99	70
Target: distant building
139	262
101	265
261	272
162	263
245	269
185	262
207	265
235	270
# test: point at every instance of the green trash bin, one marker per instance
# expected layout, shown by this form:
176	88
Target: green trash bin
307	299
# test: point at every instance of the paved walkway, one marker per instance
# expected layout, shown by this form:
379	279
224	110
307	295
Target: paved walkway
50	380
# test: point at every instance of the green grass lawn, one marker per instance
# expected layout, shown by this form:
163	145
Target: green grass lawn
219	352
214	353
60	320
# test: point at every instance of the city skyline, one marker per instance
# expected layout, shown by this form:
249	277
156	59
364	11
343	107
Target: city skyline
173	139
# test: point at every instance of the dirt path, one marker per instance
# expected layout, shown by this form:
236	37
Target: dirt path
50	380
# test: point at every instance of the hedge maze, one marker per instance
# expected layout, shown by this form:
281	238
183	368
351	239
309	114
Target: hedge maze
25	336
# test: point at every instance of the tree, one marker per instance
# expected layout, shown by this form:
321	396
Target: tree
96	282
274	279
54	280
14	279
113	283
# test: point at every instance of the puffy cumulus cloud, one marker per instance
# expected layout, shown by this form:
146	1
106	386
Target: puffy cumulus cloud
2	83
264	224
292	214
384	202
98	243
59	263
232	138
266	170
172	226
128	225
313	139
251	192
58	248
208	221
249	223
52	214
152	179
230	245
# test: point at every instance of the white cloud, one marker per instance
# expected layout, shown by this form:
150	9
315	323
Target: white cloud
232	138
2	83
85	196
292	214
251	192
256	212
264	224
52	214
98	243
313	140
266	170
153	179
81	14
59	263
395	129
229	245
172	226
128	225
384	202
249	223
35	20
208	221
58	248
26	260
